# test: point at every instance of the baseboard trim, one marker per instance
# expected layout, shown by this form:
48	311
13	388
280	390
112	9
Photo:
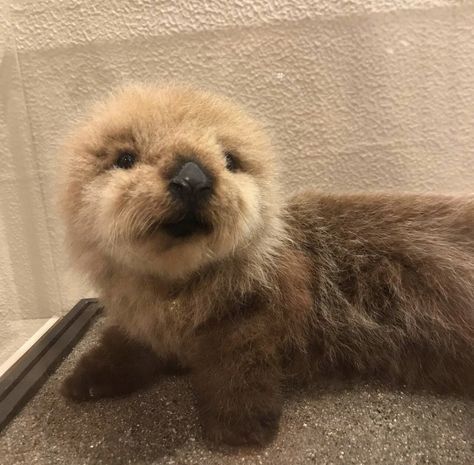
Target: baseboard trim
27	345
23	379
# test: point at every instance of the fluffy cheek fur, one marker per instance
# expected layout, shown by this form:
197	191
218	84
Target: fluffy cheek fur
127	205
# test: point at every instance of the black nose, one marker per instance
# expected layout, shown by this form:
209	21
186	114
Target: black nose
191	183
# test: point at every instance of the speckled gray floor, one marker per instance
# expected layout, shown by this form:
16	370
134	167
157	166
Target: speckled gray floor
345	425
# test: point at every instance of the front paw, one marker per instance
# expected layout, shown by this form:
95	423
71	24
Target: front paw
90	381
78	388
95	377
248	430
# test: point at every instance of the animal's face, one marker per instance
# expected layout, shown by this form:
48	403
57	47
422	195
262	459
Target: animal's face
167	180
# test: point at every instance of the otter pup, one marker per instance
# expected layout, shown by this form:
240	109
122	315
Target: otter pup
173	210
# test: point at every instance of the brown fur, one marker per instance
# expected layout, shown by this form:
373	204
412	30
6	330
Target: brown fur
275	290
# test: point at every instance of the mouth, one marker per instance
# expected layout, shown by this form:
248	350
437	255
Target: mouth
186	226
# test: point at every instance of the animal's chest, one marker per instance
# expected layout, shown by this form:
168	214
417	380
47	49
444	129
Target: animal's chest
164	325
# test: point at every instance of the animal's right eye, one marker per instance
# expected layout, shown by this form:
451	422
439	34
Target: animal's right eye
125	160
231	162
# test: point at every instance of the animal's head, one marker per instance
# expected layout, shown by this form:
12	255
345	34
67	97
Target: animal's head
167	180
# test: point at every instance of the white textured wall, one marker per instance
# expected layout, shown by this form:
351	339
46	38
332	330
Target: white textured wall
361	94
29	285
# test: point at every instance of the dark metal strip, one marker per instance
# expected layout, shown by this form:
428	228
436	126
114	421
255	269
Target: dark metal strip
14	373
26	376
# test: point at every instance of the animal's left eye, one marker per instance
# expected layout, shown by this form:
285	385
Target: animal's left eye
125	160
231	162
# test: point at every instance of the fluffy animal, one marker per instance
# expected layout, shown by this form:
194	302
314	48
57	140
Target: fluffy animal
172	208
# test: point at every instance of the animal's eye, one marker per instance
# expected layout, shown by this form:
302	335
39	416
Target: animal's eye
125	160
231	162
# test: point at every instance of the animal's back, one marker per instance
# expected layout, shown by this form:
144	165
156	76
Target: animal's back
393	282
